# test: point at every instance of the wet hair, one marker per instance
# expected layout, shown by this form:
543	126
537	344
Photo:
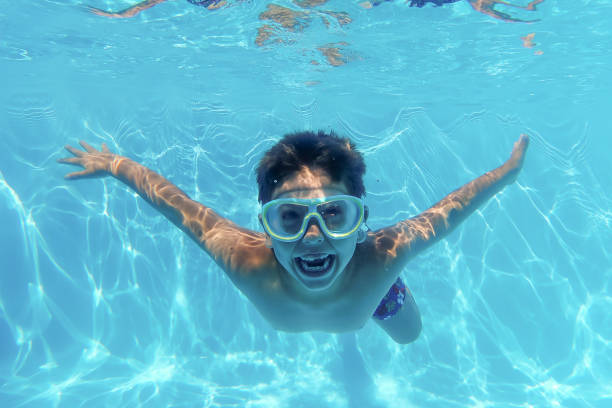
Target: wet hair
337	156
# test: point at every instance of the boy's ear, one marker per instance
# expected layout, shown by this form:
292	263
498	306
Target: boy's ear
362	232
268	243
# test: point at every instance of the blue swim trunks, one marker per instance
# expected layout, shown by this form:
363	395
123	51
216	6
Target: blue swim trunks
205	3
418	3
421	3
392	302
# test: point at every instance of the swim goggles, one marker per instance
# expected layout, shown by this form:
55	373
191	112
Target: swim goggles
286	219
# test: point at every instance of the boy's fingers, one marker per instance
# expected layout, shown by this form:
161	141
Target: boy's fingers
87	146
105	148
522	143
74	151
77	174
99	12
70	160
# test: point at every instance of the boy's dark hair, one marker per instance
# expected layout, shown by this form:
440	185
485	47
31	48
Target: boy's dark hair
335	155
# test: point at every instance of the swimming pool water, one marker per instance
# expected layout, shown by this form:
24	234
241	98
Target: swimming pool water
104	303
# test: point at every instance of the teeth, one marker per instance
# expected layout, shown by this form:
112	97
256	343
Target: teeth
318	269
313	257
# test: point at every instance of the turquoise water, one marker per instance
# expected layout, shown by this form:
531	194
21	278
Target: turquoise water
104	303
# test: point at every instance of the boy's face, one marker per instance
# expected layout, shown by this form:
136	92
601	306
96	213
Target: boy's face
314	244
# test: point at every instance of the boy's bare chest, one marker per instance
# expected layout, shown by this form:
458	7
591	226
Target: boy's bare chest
349	308
288	314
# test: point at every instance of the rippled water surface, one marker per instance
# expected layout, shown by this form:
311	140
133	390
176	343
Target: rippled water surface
104	303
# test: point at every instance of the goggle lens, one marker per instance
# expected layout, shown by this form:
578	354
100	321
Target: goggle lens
339	215
287	218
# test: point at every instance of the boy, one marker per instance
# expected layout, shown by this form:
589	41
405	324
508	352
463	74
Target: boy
316	266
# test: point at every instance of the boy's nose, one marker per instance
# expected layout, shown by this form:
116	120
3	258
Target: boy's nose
313	234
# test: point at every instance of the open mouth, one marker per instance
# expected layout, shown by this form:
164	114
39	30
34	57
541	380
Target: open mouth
315	266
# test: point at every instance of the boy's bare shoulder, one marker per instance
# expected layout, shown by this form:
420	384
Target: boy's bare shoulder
383	252
372	254
381	246
242	253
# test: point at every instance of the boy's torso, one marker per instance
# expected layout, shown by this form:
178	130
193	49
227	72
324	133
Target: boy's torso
347	307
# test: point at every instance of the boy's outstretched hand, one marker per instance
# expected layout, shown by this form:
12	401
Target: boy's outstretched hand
105	13
517	157
97	163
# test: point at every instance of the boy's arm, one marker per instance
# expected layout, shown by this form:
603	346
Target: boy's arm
397	244
237	250
128	12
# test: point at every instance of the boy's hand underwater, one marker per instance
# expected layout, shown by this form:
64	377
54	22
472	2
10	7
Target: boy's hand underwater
517	157
97	163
